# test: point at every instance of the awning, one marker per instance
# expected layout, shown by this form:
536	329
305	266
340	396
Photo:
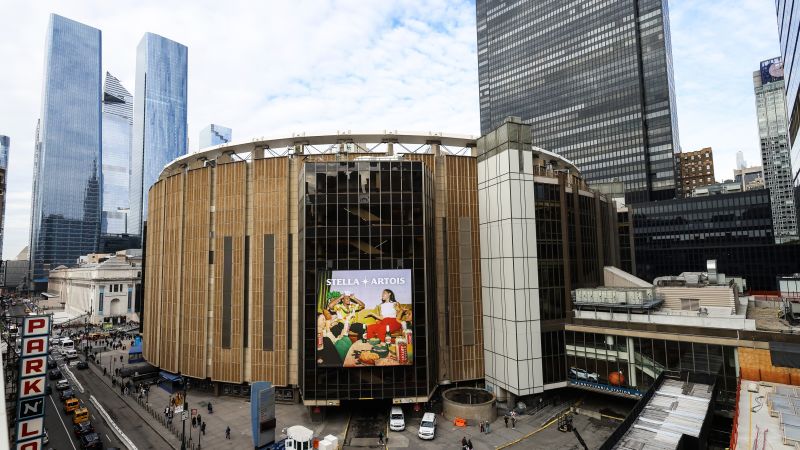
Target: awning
169	376
49	295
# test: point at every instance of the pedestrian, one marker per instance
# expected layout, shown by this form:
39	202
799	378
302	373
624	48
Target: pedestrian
203	428
505	419
380	437
198	419
104	371
487	427
514	422
210	409
481	426
469	444
228	433
464	443
194	422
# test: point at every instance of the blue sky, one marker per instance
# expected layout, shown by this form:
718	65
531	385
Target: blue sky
267	68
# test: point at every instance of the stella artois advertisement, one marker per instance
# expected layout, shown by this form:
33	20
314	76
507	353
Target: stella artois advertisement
364	318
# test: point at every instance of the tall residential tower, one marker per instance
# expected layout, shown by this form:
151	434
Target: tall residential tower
65	222
594	80
773	134
159	118
214	135
117	123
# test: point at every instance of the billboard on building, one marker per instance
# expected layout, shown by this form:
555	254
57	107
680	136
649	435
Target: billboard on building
364	318
771	70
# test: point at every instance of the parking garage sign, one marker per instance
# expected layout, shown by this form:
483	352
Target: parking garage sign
32	382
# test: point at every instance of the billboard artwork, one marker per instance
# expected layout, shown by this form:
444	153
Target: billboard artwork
771	70
364	318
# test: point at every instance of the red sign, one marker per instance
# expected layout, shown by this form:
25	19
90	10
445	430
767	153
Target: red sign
35	444
31	387
34	366
34	346
30	428
36	326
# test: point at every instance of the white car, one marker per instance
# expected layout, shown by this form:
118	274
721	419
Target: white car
397	422
582	374
427	427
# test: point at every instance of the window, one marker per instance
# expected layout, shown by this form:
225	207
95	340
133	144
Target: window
690	304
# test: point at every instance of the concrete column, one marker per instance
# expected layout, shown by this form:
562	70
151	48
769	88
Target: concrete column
390	149
631	363
512	401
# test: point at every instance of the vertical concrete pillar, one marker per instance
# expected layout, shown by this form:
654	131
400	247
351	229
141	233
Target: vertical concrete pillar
390	149
631	363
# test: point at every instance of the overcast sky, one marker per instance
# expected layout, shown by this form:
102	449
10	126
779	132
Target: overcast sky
266	68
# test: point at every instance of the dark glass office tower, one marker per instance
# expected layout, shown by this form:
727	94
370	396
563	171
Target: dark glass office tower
5	143
65	220
594	80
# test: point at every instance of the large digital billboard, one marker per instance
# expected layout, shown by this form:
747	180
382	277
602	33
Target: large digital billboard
364	318
771	70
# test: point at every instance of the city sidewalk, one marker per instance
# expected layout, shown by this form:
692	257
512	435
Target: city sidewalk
233	412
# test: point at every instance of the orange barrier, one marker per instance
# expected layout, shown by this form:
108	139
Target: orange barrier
460	422
756	365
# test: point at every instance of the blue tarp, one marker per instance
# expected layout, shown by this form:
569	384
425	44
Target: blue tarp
135	349
169	376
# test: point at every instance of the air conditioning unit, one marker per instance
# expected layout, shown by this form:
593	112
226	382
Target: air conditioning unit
752	387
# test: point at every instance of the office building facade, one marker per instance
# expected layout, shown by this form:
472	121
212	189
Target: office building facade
749	178
789	32
214	135
695	169
66	202
773	134
159	117
593	80
5	146
117	128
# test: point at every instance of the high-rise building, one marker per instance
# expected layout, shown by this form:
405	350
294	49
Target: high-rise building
740	162
159	118
789	31
594	80
65	222
214	135
117	123
750	178
5	144
773	134
696	169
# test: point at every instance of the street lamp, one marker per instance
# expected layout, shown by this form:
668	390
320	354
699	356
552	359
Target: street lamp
184	413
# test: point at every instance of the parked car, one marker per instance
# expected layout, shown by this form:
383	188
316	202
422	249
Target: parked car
427	426
55	374
82	428
62	384
582	374
82	365
52	364
397	421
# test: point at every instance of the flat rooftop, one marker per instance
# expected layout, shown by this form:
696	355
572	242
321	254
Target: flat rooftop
676	408
768	418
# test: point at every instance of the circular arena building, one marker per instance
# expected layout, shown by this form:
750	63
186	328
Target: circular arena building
341	267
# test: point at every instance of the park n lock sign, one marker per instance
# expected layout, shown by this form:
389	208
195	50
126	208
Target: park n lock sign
32	382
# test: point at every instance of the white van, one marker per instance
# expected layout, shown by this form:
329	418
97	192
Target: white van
67	344
397	422
70	354
427	427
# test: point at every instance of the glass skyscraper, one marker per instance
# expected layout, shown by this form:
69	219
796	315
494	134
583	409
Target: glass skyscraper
214	135
5	144
594	80
773	135
159	118
117	124
65	222
789	30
